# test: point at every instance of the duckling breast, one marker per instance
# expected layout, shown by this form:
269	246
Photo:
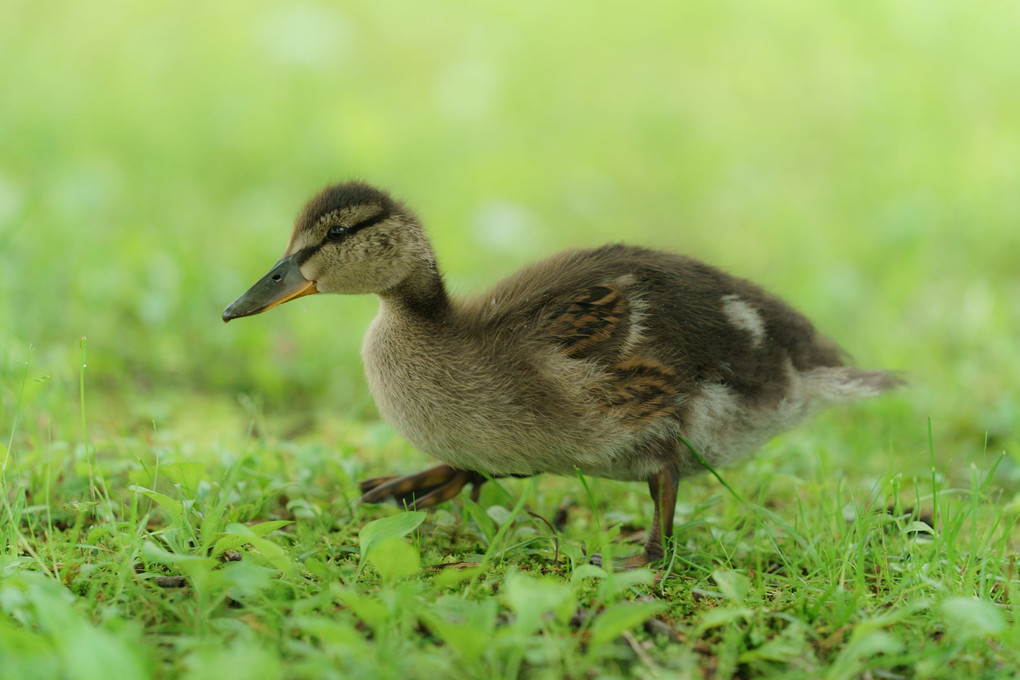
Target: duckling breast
484	409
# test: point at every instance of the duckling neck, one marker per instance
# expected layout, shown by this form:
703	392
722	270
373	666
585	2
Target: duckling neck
421	295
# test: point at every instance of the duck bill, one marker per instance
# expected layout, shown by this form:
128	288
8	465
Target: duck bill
283	283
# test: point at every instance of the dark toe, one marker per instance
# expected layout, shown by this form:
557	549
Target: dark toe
632	562
368	484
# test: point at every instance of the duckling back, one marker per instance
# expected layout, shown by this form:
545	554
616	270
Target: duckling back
602	360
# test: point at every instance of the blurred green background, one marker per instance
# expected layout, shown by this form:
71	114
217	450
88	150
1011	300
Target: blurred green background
860	159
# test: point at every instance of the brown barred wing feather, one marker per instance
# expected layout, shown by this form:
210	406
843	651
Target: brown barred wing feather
594	324
641	390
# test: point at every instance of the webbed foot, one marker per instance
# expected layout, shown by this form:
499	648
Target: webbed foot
423	489
642	559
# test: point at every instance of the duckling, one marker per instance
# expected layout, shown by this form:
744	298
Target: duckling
616	361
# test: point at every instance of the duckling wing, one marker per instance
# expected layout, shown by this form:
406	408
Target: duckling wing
592	324
596	324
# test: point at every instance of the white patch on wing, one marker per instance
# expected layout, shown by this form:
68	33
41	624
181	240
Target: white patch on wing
745	317
637	312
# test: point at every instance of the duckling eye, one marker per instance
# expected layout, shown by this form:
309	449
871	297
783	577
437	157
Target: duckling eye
336	233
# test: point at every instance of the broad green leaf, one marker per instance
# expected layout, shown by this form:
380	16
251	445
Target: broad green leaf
273	554
394	558
892	616
862	646
368	608
782	649
624	580
238	535
470	642
329	630
448	578
733	585
37	601
465	625
140	476
722	617
970	617
247	578
395	526
94	654
482	520
188	474
154	553
499	514
530	598
617	618
232	538
100	531
10	565
321	568
587	571
263	528
917	528
46	608
210	526
170	506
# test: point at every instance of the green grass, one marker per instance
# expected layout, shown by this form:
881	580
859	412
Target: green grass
178	496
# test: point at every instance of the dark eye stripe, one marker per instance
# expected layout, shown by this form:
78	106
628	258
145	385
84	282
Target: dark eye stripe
306	253
376	219
301	256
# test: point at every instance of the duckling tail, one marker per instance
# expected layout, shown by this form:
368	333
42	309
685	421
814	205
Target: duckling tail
837	384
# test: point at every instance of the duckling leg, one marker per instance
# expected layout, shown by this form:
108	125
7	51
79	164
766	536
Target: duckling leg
663	488
421	490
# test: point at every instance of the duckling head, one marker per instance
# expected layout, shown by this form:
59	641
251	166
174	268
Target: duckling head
350	238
